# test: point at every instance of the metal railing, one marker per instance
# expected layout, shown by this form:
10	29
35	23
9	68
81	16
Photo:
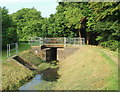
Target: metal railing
37	41
12	47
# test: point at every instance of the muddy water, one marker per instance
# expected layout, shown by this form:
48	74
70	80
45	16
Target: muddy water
43	81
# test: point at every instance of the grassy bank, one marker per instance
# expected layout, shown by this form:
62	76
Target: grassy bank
90	68
13	73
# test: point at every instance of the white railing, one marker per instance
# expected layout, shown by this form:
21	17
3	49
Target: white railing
37	41
12	47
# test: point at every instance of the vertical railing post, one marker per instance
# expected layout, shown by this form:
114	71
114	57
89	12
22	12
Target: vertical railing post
16	47
64	41
40	41
81	41
74	41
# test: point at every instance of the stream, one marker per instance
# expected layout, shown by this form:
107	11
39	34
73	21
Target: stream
42	81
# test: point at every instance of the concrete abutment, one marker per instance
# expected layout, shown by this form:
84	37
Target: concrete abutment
53	53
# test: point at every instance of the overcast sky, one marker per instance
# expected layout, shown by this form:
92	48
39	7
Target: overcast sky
46	7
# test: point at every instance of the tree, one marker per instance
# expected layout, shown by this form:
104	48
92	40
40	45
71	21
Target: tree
9	34
28	23
106	24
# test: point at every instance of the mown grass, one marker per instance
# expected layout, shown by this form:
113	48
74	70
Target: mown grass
88	69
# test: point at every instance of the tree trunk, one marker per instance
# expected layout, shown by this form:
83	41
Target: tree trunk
79	33
88	38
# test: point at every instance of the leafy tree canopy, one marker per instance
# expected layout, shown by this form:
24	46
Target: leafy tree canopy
28	22
9	34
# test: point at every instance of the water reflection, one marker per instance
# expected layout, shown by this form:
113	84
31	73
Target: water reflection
42	81
33	84
50	74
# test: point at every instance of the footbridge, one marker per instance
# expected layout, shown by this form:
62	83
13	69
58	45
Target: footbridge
50	49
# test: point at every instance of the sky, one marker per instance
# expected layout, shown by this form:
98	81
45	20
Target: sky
46	7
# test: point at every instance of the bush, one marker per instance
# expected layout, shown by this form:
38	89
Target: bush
112	44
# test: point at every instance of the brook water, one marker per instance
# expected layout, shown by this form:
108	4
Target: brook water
42	81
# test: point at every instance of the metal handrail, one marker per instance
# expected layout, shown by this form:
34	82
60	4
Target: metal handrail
62	40
9	49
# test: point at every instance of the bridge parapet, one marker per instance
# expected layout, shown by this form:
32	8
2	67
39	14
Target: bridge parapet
56	42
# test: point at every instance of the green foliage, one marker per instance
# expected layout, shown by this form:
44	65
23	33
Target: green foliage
9	34
105	22
112	44
71	14
28	23
108	34
102	20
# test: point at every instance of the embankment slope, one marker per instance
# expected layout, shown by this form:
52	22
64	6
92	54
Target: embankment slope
89	68
15	74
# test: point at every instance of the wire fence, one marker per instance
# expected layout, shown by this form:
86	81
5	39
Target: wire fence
37	41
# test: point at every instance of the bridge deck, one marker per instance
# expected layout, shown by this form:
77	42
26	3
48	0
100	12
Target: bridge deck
53	45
